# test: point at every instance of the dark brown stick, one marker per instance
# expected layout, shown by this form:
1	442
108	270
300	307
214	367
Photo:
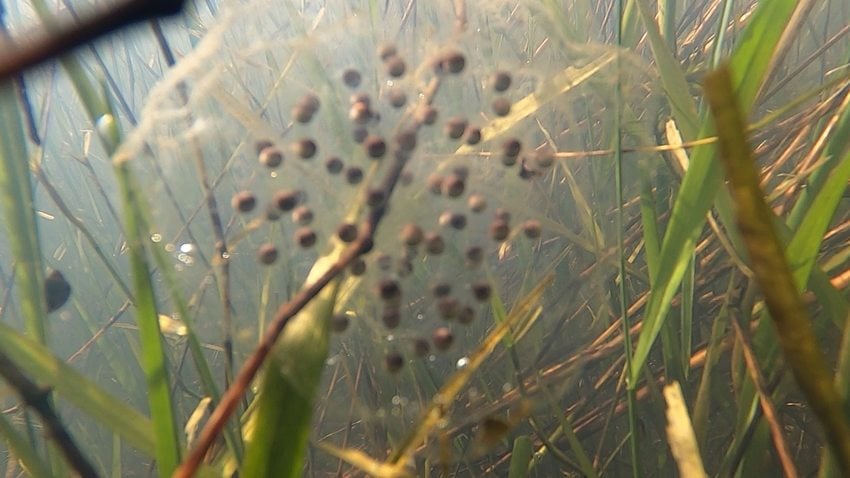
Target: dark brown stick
14	61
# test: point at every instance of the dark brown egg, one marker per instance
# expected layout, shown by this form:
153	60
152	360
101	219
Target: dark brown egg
389	290
501	106
333	165
357	267
375	146
395	66
441	289
387	50
347	232
453	186
359	113
354	175
375	197
243	201
305	237
477	203
351	78
499	230
472	135
411	235
391	317
259	146
267	254
502	214
305	148
442	338
474	256
273	213
450	62
434	243
305	108
396	97
481	291
286	200
270	157
421	347
394	362
532	228
406	140
57	290
500	81
510	151
434	183
339	322
359	134
302	215
466	315
426	114
448	307
454	127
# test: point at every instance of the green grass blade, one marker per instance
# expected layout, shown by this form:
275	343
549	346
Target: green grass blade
520	457
278	429
37	361
22	450
672	77
154	362
19	214
703	178
771	269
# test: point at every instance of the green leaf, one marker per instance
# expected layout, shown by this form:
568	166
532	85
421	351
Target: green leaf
702	180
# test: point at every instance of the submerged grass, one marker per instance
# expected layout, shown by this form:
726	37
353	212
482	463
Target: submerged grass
601	248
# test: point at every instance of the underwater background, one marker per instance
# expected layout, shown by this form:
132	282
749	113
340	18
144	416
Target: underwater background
495	237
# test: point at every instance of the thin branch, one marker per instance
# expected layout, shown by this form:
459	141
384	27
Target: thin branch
14	61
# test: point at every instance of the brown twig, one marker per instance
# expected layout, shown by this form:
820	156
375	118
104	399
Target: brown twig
14	61
36	398
788	467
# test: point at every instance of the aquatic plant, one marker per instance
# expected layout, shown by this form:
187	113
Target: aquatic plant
405	239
